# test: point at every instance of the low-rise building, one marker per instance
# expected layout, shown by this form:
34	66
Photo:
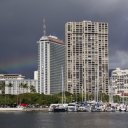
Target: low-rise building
11	76
20	86
17	84
119	82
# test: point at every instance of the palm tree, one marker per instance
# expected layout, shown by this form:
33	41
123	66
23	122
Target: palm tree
32	89
20	97
25	86
10	86
2	87
20	87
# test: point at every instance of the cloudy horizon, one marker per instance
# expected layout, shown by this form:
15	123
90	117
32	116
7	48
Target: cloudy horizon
21	26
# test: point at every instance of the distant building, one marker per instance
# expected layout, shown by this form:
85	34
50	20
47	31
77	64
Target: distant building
51	59
119	82
11	76
20	86
35	75
17	84
86	57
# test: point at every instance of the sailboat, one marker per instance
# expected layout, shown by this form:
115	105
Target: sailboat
59	107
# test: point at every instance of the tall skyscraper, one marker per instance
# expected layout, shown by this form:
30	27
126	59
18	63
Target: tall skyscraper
51	59
86	57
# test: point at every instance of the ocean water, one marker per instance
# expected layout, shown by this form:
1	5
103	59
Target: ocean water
63	120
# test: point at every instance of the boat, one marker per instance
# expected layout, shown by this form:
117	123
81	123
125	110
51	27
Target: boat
51	107
58	108
110	109
84	107
97	107
61	107
122	108
72	107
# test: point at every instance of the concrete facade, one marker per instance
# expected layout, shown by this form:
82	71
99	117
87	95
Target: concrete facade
50	60
86	57
119	82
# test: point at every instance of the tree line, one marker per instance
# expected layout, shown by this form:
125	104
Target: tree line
41	99
46	100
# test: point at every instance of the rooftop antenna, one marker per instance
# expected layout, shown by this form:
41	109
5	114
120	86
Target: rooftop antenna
44	27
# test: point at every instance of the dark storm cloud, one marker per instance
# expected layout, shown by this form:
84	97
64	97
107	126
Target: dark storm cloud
21	25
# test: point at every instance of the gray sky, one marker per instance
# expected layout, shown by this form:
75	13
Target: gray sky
21	26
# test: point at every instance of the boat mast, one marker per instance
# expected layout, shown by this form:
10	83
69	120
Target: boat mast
97	70
111	91
62	86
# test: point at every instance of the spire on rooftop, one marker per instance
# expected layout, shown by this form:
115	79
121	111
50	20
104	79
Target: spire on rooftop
44	27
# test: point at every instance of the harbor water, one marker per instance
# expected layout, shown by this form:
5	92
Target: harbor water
64	120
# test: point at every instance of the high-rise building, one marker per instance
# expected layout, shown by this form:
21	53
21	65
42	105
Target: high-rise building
51	60
86	57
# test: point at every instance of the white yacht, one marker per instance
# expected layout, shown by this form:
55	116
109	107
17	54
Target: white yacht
72	107
58	108
122	108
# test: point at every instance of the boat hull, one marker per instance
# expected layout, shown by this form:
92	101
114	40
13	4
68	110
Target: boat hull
59	110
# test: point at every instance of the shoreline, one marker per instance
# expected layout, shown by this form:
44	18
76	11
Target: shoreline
36	109
23	109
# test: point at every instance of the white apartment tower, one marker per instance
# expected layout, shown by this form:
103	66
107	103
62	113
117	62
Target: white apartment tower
87	57
50	62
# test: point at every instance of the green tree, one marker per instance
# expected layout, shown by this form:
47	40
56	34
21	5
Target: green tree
10	85
25	87
2	87
32	89
116	98
20	87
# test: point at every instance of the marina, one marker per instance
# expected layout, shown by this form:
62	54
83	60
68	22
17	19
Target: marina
88	107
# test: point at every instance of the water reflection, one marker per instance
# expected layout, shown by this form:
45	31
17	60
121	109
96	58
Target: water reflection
63	120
